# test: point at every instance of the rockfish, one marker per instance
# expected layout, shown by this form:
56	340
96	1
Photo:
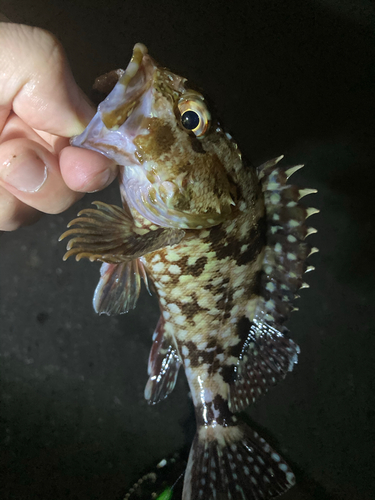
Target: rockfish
223	244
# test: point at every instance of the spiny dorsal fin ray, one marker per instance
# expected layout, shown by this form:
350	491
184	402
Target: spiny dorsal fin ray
267	353
109	234
312	251
311	211
265	167
163	366
286	251
290	171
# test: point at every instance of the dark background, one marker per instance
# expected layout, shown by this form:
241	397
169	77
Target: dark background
292	77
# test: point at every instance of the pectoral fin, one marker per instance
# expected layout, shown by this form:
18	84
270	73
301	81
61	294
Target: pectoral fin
108	234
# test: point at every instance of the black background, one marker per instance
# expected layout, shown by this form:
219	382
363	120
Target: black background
288	77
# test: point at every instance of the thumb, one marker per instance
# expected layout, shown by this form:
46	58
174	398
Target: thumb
31	173
36	81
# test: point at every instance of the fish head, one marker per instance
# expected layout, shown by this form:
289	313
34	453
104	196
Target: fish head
177	163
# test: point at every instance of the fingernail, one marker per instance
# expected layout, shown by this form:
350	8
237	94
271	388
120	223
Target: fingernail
24	172
85	112
87	109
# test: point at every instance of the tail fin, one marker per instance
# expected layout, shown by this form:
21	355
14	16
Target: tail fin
234	463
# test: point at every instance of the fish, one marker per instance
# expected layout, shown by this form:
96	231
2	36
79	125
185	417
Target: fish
222	244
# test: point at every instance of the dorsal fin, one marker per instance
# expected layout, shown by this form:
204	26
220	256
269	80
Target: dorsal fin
286	251
163	365
268	354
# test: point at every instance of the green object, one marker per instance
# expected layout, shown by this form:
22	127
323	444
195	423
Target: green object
166	495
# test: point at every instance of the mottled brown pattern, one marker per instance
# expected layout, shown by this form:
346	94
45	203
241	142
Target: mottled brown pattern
228	373
216	289
218	407
217	277
158	141
224	280
196	145
197	268
198	356
190	310
225	246
243	329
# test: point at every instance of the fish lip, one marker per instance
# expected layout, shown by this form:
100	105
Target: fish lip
129	91
114	126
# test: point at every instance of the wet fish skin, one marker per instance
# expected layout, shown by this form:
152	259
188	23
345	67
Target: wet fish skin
224	246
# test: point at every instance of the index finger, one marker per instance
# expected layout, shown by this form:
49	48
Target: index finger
36	81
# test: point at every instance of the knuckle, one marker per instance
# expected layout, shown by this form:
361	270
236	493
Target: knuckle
50	47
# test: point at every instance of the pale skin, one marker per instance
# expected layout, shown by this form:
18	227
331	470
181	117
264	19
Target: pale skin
41	107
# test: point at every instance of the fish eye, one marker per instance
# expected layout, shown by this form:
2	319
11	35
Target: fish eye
190	119
194	115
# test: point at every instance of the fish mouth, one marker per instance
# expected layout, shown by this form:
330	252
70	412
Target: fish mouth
118	119
130	88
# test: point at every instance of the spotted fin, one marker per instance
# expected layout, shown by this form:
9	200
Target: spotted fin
267	353
234	463
163	366
109	234
287	249
119	287
266	358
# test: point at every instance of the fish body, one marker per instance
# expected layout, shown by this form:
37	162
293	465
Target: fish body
222	243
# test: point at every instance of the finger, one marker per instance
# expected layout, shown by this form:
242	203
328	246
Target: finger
32	175
86	171
14	213
15	128
36	78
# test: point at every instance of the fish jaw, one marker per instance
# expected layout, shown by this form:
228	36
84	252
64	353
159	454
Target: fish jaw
118	118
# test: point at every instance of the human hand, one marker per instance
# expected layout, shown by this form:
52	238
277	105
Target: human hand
41	106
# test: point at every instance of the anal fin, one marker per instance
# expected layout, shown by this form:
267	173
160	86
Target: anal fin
163	366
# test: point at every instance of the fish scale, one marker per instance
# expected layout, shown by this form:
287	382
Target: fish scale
192	319
224	246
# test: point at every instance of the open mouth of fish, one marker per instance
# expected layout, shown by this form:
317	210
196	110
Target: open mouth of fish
118	120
